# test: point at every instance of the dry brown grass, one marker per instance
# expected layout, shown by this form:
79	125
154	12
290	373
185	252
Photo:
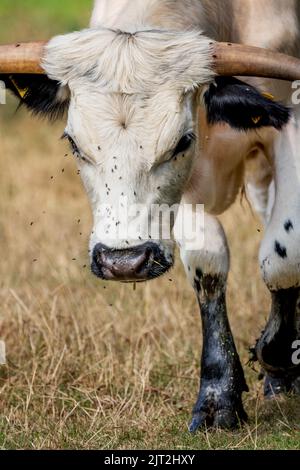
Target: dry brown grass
95	365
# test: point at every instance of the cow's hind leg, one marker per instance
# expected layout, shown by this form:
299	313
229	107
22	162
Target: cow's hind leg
275	349
222	379
280	265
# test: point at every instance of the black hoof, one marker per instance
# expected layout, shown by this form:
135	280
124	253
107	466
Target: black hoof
296	386
221	412
198	421
275	386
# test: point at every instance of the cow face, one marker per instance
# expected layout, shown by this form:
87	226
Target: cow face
131	128
135	154
132	102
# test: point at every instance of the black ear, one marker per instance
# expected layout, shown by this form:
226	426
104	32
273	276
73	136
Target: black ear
242	106
39	93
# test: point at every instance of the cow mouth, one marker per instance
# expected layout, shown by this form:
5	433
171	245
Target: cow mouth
152	274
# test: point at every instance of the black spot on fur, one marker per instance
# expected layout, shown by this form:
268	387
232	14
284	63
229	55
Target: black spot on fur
197	284
242	106
199	273
40	94
198	278
288	226
280	250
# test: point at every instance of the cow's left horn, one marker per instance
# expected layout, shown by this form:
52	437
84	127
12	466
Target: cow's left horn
22	58
248	61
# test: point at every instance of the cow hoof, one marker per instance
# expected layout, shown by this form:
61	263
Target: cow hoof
275	386
226	414
224	419
296	386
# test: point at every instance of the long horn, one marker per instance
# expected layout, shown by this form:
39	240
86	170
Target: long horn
248	61
22	58
228	59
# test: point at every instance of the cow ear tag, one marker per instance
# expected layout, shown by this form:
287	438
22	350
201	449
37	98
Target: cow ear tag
269	96
21	91
256	119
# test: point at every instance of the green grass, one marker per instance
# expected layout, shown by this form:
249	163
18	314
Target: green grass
78	428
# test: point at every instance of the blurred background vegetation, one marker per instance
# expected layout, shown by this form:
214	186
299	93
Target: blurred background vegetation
23	20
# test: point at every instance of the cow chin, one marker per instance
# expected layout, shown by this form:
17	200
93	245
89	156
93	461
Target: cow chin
133	264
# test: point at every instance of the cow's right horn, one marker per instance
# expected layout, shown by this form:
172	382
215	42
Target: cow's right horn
248	61
22	58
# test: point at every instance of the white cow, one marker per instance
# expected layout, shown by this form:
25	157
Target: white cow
150	124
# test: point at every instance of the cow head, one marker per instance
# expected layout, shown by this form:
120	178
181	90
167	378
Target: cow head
132	102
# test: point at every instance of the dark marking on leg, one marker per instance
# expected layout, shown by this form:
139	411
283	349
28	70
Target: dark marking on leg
274	349
197	280
222	378
280	250
199	273
197	284
288	226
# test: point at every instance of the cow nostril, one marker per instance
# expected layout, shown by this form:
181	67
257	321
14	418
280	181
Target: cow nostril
142	261
100	258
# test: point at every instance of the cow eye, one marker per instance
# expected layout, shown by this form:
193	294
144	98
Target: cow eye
184	143
74	147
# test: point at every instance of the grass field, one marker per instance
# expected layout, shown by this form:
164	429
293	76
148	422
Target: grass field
90	364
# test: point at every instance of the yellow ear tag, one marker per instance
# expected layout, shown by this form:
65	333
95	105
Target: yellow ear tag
268	96
22	91
256	119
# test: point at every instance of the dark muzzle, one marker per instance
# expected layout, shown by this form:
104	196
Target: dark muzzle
140	263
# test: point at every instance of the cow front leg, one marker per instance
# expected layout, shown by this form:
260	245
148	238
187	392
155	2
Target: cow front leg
222	379
280	266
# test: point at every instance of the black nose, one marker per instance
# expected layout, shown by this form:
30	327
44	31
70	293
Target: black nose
140	263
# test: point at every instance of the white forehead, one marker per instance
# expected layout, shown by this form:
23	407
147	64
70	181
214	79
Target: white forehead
111	121
125	62
129	89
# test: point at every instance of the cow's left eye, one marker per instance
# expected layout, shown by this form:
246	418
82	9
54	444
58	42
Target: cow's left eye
184	144
74	147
